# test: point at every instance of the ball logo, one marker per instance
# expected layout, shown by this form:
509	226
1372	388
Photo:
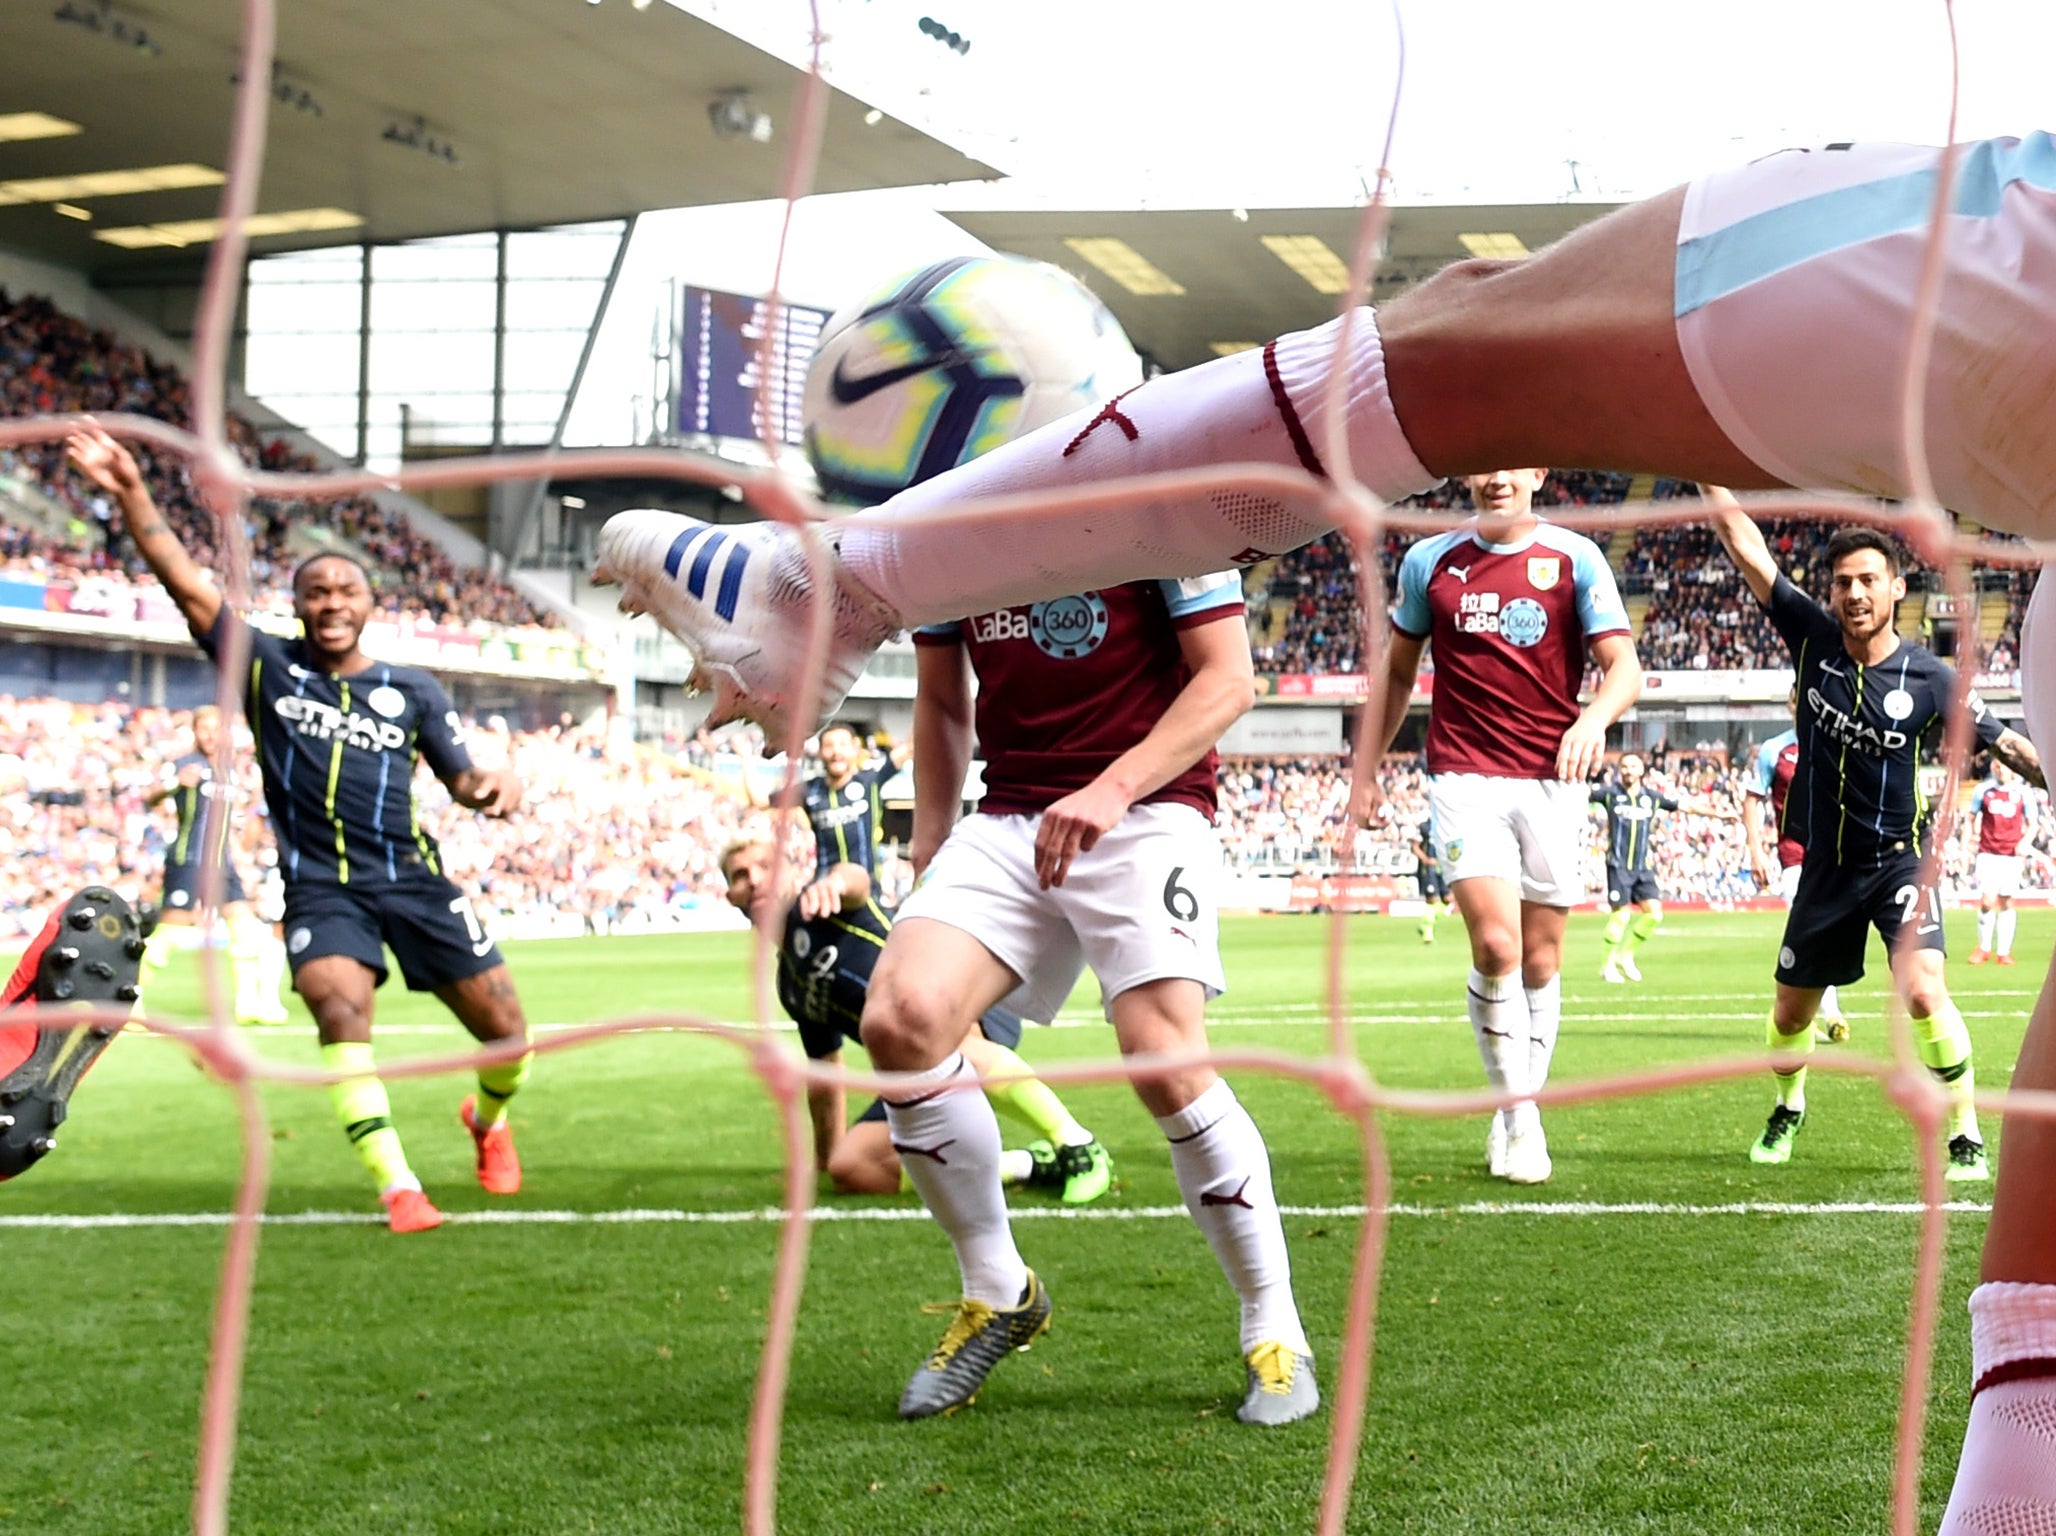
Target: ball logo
389	702
1898	704
1069	627
1523	622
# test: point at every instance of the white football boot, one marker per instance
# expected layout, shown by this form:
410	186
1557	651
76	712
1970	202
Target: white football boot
740	597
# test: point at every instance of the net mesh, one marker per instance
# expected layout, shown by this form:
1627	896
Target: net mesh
1352	1092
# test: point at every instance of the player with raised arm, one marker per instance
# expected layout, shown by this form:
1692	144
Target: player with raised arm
1748	329
338	737
2001	807
1511	606
829	940
1871	705
205	818
1777	847
1631	889
1097	716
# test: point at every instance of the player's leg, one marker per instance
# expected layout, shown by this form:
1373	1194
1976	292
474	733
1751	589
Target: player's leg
1616	935
1224	1172
1987	912
1064	1155
2009	919
1542	933
1642	926
88	953
933	979
337	986
1943	1041
1823	946
250	947
862	1162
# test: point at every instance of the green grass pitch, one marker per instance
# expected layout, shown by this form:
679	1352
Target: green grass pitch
1625	1372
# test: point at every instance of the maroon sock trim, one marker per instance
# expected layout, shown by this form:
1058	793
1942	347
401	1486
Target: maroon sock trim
2015	1370
1301	443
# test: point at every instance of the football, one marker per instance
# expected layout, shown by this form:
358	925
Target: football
949	362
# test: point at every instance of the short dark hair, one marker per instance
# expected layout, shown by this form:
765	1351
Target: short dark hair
841	725
332	554
1850	539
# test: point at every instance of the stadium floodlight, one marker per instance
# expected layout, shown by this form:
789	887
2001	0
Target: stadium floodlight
1313	259
1125	265
734	116
18	126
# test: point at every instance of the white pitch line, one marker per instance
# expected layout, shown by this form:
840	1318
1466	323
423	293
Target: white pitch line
770	1215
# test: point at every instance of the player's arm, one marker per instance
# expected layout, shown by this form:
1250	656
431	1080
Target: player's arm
494	791
1407	639
1220	691
1761	849
2019	754
844	888
942	741
1620	683
827	1113
1707	806
1743	541
113	468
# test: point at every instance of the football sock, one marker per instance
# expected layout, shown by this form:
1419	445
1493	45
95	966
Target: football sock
1792	1081
496	1085
1427	929
167	940
1985	920
1500	1023
2003	1480
1641	926
246	959
1545	1017
1031	1102
948	1145
1944	1045
1616	933
1261	406
1830	1004
1015	1167
367	1115
2009	919
1224	1172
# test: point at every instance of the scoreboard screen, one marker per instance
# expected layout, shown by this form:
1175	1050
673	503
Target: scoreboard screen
720	353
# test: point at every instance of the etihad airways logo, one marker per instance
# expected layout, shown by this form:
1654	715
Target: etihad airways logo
324	722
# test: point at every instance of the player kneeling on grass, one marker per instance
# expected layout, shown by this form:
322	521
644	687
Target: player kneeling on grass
829	939
338	737
1097	715
1871	705
87	956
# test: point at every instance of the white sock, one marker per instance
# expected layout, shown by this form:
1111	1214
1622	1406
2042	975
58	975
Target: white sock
1262	406
1830	1004
2009	919
1499	1020
948	1143
1545	1017
1224	1172
1984	928
1016	1166
2006	1478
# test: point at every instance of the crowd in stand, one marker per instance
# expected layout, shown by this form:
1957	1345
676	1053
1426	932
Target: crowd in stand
51	363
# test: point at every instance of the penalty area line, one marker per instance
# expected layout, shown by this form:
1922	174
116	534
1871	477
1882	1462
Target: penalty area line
772	1215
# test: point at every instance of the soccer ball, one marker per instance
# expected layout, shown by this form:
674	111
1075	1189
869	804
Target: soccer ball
949	362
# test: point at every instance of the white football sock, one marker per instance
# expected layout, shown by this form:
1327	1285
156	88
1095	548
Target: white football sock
1545	1017
1830	1004
948	1143
1499	1020
2009	919
1984	928
1224	1172
1261	406
2006	1478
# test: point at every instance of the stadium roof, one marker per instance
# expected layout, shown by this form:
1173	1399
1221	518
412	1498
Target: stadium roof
1188	284
557	112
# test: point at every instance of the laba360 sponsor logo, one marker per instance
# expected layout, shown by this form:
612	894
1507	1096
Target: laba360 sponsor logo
324	722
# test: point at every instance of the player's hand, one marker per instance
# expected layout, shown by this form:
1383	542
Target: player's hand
1582	751
1072	826
189	775
1761	870
821	898
922	848
1367	803
495	791
102	460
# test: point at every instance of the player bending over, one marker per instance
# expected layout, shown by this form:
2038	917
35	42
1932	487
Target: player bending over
1777	846
1631	890
1511	605
205	815
338	737
1097	716
2001	805
1749	329
1871	707
829	939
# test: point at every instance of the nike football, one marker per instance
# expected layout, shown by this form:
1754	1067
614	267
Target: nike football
949	362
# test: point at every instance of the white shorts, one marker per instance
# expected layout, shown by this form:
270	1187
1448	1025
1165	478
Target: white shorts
1143	905
1998	874
1795	287
1528	831
1788	881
